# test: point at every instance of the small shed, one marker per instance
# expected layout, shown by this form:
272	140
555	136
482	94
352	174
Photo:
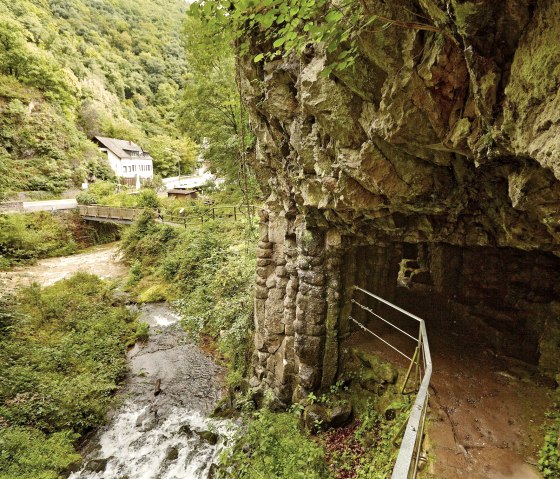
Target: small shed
183	193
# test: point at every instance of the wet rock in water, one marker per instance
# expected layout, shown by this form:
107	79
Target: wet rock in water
146	421
171	454
212	471
157	389
74	467
208	436
186	430
97	465
340	414
225	408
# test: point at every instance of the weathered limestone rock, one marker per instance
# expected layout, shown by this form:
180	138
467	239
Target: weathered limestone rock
439	148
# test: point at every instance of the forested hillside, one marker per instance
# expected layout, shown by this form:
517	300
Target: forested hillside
71	69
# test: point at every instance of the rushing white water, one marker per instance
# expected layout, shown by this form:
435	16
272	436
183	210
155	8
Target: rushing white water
162	431
131	448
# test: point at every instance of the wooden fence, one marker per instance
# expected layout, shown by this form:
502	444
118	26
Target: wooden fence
186	217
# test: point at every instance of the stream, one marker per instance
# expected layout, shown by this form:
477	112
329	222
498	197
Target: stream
162	429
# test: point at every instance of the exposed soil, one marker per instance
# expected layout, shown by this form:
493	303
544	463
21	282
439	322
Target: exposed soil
104	261
485	410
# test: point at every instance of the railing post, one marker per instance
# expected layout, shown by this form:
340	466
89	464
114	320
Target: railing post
235	213
213	213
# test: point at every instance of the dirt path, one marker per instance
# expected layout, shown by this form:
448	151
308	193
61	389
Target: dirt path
101	260
485	410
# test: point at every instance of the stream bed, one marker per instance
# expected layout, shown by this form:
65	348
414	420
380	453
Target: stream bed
162	429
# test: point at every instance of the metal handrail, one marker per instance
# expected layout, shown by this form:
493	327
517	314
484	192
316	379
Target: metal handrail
406	465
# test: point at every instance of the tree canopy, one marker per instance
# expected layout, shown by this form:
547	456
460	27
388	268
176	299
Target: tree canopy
72	69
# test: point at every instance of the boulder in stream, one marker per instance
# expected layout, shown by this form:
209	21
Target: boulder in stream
97	465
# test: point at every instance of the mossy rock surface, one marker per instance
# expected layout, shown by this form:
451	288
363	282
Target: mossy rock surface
375	369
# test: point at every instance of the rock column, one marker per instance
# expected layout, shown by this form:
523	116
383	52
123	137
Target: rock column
297	307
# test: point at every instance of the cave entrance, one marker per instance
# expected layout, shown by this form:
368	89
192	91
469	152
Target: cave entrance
491	318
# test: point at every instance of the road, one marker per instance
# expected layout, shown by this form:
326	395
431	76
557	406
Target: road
49	205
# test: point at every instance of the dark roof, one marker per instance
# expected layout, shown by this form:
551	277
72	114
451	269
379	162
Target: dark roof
119	147
178	191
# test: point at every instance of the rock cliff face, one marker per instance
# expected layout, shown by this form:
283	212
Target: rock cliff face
434	163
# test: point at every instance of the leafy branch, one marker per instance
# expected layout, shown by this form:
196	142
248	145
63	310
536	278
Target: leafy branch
285	27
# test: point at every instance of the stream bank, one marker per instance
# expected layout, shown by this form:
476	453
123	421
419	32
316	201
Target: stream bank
162	429
159	427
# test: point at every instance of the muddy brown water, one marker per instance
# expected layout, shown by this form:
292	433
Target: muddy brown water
485	410
103	261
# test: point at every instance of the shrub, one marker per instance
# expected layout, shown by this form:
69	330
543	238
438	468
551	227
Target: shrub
96	192
31	454
147	198
25	237
62	355
549	454
273	446
142	332
86	198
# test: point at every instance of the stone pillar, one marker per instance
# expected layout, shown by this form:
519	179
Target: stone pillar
335	299
297	307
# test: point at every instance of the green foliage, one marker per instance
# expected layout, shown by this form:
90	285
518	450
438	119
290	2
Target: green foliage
96	192
549	454
31	65
142	332
147	198
61	359
155	293
273	446
377	435
25	237
40	148
30	454
209	111
290	26
103	193
30	236
208	268
169	154
72	70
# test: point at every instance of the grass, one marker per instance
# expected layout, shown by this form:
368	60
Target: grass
62	356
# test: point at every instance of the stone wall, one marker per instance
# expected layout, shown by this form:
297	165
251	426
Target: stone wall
448	140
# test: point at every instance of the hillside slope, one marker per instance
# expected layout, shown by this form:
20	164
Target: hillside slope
73	69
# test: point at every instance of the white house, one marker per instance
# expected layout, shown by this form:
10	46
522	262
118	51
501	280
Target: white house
130	162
